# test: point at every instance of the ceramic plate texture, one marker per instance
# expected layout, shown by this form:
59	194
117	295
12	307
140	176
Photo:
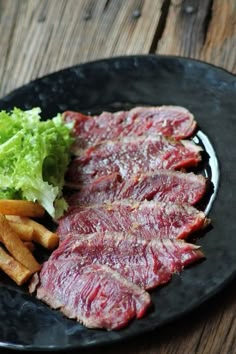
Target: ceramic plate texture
120	83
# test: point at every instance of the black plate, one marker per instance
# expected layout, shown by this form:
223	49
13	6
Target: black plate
210	93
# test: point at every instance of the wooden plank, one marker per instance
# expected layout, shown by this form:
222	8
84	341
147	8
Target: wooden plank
7	25
184	29
201	29
50	35
220	45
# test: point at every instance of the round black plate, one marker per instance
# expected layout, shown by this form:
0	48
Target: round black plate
119	83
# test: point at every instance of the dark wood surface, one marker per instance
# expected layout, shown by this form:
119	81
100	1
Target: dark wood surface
41	36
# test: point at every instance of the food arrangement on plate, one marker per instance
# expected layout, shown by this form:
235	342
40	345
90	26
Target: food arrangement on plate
129	203
32	167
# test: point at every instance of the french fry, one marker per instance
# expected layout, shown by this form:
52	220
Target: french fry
21	207
16	247
25	232
13	269
41	235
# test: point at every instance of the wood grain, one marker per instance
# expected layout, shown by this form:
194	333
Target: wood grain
220	45
184	30
39	37
201	29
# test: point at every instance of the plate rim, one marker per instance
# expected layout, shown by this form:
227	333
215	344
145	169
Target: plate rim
118	57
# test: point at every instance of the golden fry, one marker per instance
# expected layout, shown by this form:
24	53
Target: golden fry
21	207
13	269
41	235
25	232
44	237
16	247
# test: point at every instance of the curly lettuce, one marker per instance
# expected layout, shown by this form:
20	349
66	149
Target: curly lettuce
34	156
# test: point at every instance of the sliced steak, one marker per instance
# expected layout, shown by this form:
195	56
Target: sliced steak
145	263
132	156
161	185
95	295
172	121
148	219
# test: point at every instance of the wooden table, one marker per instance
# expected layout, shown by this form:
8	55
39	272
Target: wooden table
39	37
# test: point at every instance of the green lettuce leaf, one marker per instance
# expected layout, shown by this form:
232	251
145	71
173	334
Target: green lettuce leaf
34	156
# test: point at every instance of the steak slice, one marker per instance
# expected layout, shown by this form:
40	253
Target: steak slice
172	121
145	263
95	295
148	219
161	185
132	156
